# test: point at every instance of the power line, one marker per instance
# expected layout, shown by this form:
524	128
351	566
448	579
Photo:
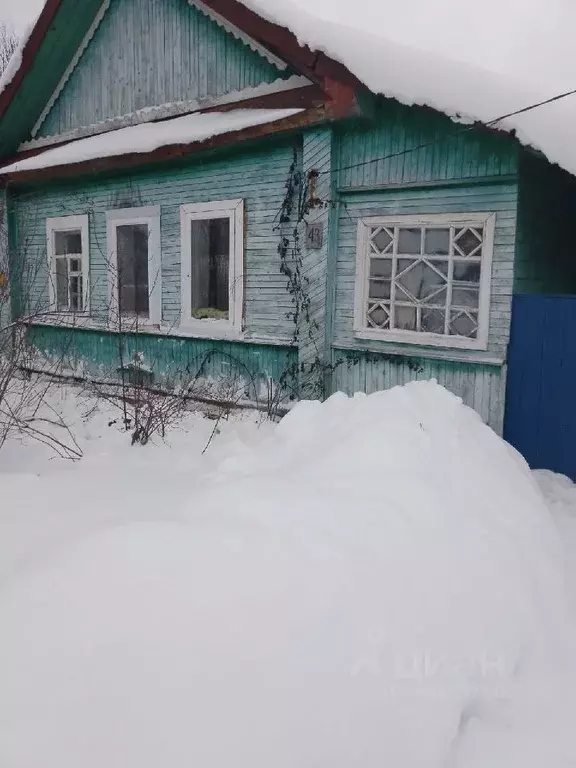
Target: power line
453	135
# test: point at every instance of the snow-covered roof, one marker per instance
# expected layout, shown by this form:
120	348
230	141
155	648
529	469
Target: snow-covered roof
462	90
15	62
150	136
401	69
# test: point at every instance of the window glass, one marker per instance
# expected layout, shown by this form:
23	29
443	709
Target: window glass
62	285
424	279
67	260
66	242
210	265
132	259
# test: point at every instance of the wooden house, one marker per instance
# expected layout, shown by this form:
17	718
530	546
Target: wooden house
191	192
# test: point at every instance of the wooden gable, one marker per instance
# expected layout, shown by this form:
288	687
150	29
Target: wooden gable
144	53
131	61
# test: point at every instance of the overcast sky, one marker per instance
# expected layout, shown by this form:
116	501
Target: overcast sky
479	32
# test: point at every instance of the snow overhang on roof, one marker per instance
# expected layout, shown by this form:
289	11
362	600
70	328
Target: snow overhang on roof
334	54
147	137
463	91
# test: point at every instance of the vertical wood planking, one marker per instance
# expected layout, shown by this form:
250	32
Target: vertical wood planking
148	53
546	211
448	154
360	371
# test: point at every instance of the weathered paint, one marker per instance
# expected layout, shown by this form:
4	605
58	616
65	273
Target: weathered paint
472	172
500	198
245	371
545	260
480	386
316	165
447	151
258	176
147	53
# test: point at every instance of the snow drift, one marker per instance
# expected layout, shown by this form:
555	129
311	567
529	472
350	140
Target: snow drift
378	582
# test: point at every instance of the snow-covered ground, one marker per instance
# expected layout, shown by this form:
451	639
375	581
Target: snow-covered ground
374	581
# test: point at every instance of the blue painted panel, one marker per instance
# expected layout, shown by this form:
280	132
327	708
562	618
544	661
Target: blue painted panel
541	394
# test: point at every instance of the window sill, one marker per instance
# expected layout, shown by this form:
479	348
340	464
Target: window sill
421	340
208	329
379	346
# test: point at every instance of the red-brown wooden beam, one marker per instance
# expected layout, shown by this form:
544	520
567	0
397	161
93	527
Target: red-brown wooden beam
311	117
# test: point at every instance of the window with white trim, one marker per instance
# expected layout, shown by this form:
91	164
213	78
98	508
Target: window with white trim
212	240
425	280
68	263
135	290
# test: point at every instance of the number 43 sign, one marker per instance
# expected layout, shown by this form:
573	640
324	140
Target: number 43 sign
314	235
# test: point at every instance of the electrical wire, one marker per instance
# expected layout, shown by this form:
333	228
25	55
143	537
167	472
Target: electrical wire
453	135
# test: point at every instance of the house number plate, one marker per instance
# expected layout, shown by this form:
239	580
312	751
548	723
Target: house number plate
314	235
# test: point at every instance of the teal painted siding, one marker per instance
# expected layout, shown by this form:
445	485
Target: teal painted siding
474	172
397	128
149	53
545	252
258	176
242	370
481	387
499	198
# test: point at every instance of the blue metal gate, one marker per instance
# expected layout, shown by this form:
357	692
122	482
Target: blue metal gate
540	418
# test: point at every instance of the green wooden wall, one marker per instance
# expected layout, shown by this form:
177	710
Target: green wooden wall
453	172
148	53
480	386
545	252
450	153
257	175
473	172
234	370
317	156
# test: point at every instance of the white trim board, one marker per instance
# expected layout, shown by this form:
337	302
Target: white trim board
233	210
62	224
164	111
485	219
238	34
72	66
150	216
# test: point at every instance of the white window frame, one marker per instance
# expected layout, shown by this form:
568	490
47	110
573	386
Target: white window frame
362	331
63	224
217	209
149	215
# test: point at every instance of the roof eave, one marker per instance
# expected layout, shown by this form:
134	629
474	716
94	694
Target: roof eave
321	69
31	48
314	116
